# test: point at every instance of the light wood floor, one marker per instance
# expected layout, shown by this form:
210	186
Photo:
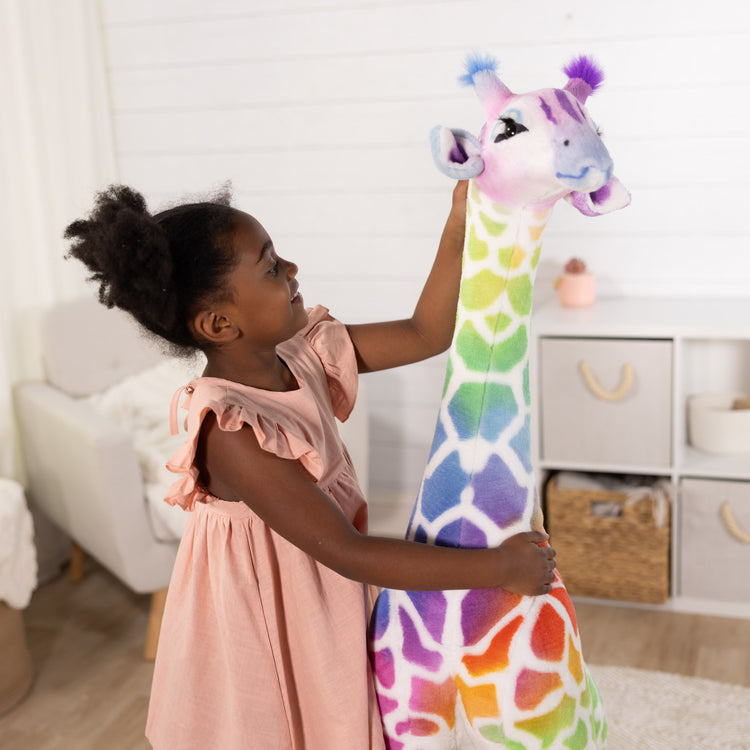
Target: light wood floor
92	686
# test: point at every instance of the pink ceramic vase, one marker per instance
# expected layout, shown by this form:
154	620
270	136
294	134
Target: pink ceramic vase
576	289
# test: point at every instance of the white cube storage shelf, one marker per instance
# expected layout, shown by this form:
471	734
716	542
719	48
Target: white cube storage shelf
611	388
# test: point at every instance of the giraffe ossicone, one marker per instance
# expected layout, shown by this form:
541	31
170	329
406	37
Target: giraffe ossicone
487	668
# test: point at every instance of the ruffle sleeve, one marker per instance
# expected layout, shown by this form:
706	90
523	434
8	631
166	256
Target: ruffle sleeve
331	343
273	437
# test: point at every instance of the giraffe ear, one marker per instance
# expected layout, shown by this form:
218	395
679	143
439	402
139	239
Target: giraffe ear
602	201
456	153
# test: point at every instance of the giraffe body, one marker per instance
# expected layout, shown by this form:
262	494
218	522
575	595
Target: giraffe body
488	668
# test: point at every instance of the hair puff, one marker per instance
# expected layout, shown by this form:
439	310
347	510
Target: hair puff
160	267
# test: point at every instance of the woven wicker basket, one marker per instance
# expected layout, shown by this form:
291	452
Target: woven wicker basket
624	557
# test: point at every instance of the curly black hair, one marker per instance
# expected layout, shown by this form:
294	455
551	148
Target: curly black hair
159	268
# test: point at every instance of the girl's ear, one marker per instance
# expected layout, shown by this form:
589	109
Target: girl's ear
213	327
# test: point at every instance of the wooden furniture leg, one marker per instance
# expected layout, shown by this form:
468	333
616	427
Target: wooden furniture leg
158	599
77	560
17	673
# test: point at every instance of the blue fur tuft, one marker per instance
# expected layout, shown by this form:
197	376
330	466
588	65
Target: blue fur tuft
476	62
585	68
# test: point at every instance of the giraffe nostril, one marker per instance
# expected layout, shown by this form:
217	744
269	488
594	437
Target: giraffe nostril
566	142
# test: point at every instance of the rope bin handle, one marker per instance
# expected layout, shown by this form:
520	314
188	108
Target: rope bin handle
626	382
732	526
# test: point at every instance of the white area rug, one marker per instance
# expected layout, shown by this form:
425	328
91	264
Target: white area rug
658	711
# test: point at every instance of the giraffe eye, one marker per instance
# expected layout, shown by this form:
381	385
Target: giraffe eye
506	128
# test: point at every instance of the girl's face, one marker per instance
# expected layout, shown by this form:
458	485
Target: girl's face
267	306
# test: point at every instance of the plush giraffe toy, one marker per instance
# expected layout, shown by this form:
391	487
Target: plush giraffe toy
488	668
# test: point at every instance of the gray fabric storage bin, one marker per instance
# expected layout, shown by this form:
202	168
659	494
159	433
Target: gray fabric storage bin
606	402
715	539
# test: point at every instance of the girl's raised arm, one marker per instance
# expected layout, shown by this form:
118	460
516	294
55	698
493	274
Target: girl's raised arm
283	495
430	329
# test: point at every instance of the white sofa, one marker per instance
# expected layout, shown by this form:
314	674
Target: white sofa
95	438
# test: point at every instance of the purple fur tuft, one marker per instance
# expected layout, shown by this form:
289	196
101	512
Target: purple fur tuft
585	68
476	62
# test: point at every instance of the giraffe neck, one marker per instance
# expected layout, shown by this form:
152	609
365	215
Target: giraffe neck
478	486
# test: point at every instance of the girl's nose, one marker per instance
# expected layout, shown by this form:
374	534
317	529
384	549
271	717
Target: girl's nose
292	269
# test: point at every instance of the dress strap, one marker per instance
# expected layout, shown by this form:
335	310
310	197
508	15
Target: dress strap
174	406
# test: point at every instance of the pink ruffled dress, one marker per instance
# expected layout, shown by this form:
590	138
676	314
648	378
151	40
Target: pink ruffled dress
262	647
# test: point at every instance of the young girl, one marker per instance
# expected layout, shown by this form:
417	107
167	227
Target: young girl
263	641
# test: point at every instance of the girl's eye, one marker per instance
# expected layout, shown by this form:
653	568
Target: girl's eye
275	267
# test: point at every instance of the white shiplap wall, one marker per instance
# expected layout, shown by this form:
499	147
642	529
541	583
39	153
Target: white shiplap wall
319	113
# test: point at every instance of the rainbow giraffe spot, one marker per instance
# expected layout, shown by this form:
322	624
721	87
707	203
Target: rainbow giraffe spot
463	408
504	256
472	348
494	228
548	635
517	258
547	727
561	594
481	290
497	323
439	438
586	697
383	666
381	612
575	667
598	727
494	733
487	408
476	249
579	739
479	701
497	480
521	443
499	410
535	257
495	658
434	698
511	352
519	294
413	650
387	704
417	727
431	606
479	610
451	479
533	687
535	232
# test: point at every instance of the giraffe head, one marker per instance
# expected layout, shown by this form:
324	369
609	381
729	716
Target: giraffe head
534	148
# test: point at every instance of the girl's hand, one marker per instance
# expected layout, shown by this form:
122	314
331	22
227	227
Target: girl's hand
457	215
529	562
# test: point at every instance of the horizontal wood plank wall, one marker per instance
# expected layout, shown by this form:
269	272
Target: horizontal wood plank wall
319	112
